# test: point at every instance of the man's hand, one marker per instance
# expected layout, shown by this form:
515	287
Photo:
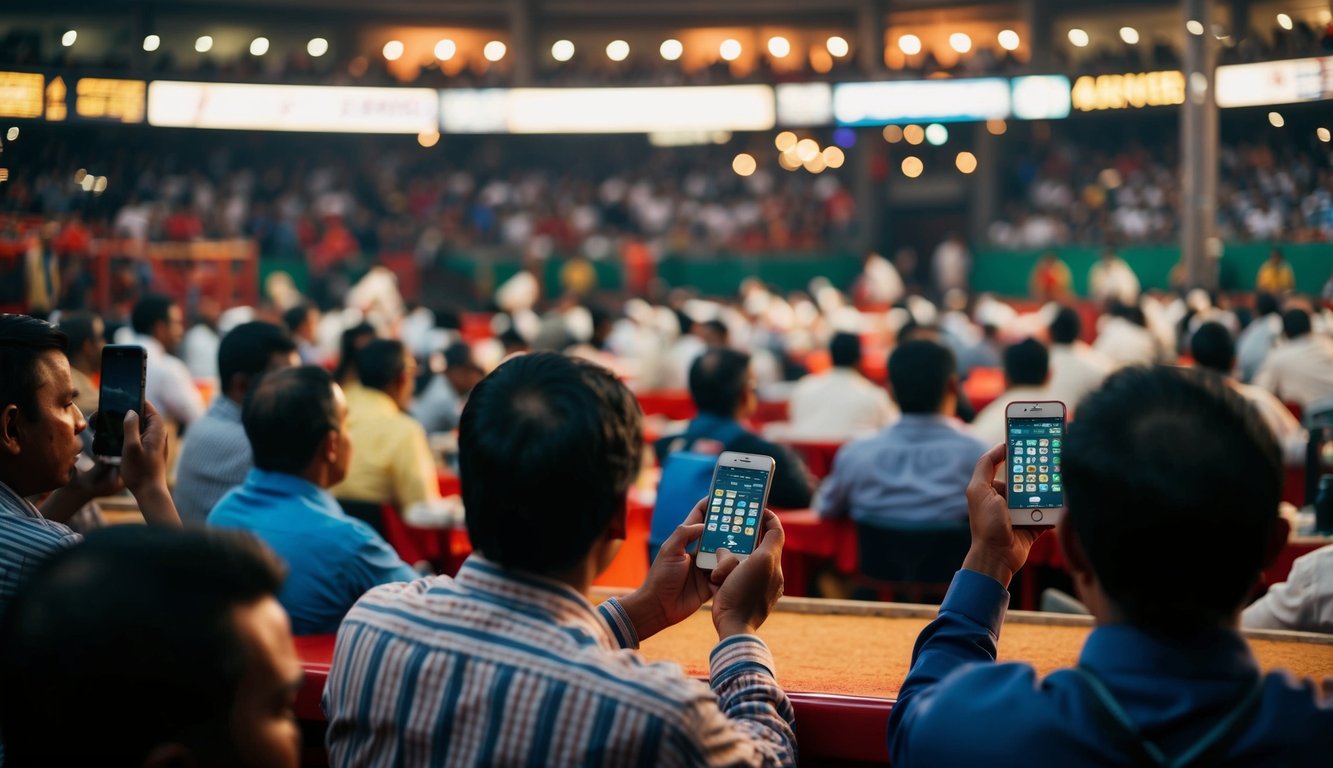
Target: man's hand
748	589
674	589
998	548
100	481
143	466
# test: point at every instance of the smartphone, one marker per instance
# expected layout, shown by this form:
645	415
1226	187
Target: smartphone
1034	440
124	370
735	509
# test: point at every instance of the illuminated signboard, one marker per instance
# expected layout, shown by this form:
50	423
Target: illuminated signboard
1041	97
805	104
97	98
1275	82
929	100
292	107
1145	89
22	94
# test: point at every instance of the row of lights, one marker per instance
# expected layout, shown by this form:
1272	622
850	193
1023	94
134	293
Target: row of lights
961	42
317	46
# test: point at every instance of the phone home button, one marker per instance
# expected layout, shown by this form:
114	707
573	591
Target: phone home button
1036	515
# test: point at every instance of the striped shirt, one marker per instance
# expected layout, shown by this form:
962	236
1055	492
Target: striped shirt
26	539
215	457
495	667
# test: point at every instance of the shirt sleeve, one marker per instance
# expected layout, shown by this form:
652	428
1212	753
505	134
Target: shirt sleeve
181	398
1293	603
617	620
376	563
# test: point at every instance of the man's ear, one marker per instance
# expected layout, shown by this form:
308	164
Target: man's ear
329	448
11	442
1071	547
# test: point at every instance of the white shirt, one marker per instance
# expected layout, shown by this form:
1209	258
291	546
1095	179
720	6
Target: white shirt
989	425
1304	602
1253	344
1125	343
1284	426
1076	370
1300	370
679	358
838	404
168	384
200	351
1113	280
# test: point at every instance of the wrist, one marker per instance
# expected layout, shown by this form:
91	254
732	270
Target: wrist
644	613
155	503
729	627
992	564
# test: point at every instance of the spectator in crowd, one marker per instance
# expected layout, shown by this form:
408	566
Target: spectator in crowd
1113	280
1124	339
1212	350
349	344
177	632
199	345
1255	341
913	473
86	335
159	327
302	323
39	444
839	404
215	455
1302	603
549	449
1051	279
393	463
723	390
1165	674
950	265
440	404
1076	369
1275	275
296	424
682	353
1027	375
1300	369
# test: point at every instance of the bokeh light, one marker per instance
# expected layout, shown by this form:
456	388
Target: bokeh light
744	164
966	162
393	50
912	166
671	49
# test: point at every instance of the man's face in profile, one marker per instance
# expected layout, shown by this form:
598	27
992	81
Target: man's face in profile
263	728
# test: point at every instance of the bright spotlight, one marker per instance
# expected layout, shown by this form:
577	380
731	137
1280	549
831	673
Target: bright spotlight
671	49
446	49
837	47
152	43
1194	27
960	42
744	164
69	37
1284	21
1323	134
909	44
784	141
259	46
912	166
936	134
1130	35
393	50
1008	40
779	47
562	50
914	134
1078	37
1276	120
617	50
494	51
730	50
317	47
203	44
965	162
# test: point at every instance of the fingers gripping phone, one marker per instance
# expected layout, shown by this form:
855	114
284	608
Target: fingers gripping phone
1034	445
124	370
735	507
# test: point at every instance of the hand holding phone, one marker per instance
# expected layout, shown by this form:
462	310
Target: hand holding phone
124	373
736	502
747	589
1034	475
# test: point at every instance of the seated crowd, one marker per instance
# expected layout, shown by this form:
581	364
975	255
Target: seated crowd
285	480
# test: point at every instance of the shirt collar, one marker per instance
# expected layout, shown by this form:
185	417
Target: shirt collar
282	483
12	503
225	408
1124	649
365	397
536	596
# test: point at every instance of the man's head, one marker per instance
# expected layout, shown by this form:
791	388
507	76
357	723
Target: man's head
353	339
721	383
713	332
922	377
1265	304
845	350
1172	485
178	630
1275	256
1066	327
1212	347
248	351
388	365
1296	323
548	448
86	336
301	321
1026	364
1109	254
159	317
296	421
39	422
461	369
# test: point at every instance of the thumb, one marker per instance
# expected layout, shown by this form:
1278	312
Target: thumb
132	437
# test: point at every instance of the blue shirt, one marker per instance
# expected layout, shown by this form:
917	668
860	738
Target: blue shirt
958	707
215	457
332	559
913	473
26	539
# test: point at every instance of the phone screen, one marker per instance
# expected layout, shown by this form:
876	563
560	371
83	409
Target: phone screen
735	507
121	392
1035	472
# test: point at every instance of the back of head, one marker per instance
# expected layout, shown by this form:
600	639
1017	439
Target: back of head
845	349
1026	363
715	333
80	327
23	339
1296	323
1066	327
352	340
380	363
287	415
149	311
548	447
140	618
1172	484
296	317
248	350
1212	347
1265	304
920	371
719	381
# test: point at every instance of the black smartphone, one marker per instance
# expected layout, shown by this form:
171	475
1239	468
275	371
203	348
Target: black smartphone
124	370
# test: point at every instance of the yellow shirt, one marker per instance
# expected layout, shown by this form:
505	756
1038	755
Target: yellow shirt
1275	279
391	461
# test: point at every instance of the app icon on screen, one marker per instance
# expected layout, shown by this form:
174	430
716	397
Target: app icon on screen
712	526
725	528
749	531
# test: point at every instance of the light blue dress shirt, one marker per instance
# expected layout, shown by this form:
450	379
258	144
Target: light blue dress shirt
214	459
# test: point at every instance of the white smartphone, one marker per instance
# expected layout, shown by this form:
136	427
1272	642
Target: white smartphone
1034	439
735	510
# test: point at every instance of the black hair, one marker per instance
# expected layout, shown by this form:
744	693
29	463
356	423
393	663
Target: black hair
1066	326
287	415
1212	347
150	310
23	339
137	617
919	371
845	350
1265	304
380	362
1026	363
248	349
295	317
1157	458
718	329
79	327
353	339
548	448
1295	323
719	380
